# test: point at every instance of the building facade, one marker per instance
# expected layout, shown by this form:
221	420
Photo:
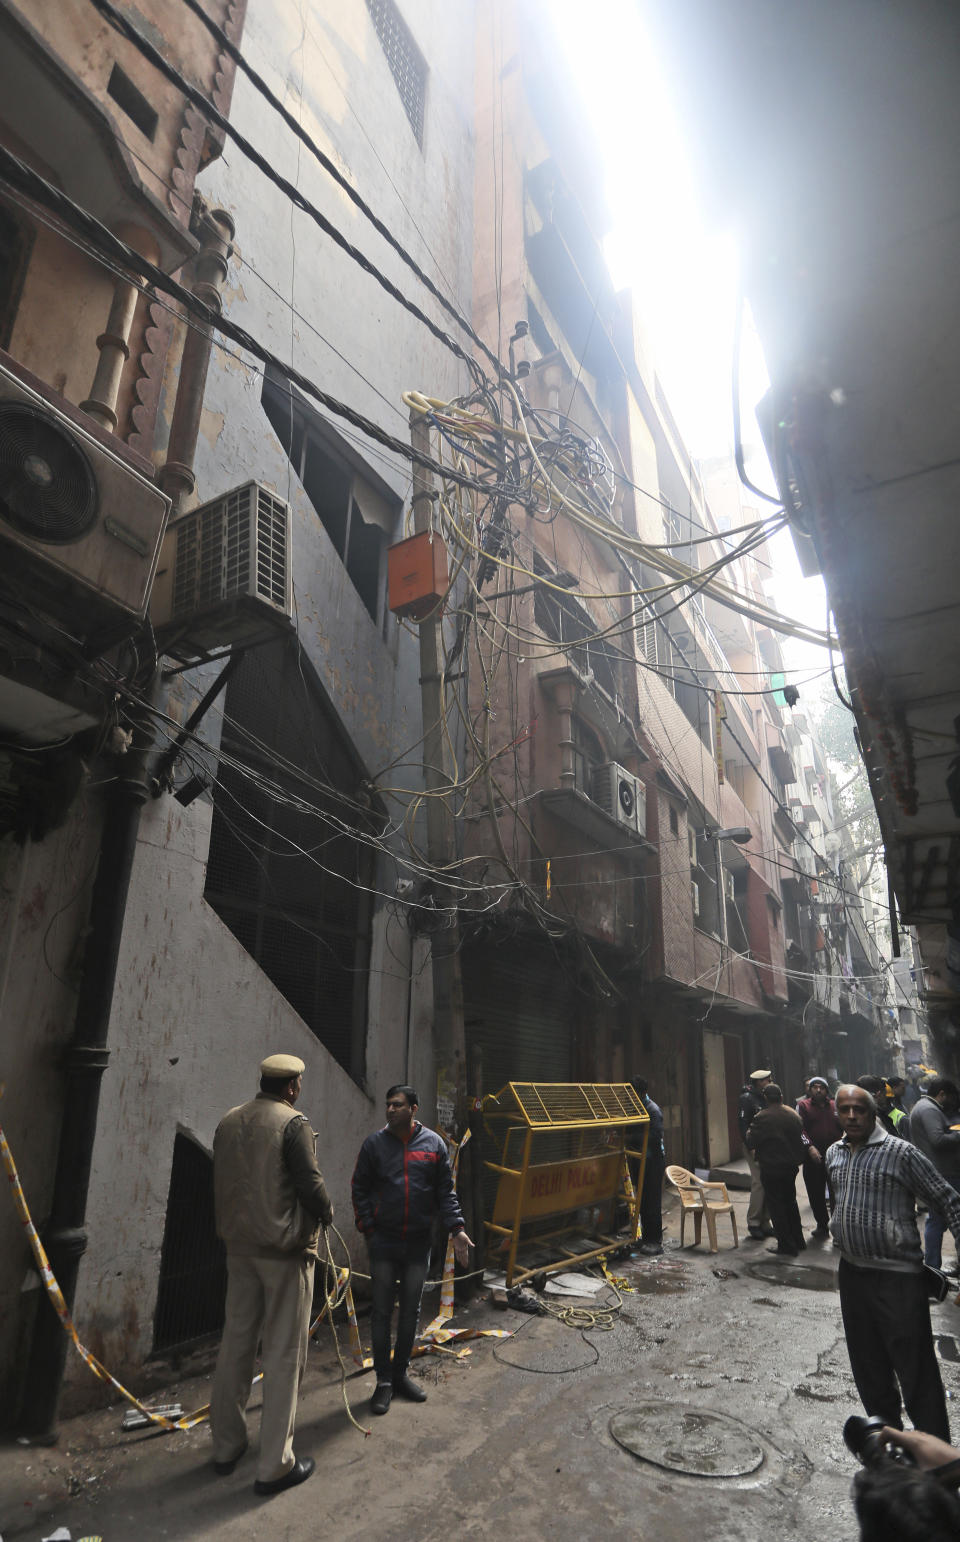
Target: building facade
552	822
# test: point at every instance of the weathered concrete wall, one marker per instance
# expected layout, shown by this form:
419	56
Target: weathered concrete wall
193	1014
44	890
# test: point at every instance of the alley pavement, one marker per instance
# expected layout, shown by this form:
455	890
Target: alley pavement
726	1372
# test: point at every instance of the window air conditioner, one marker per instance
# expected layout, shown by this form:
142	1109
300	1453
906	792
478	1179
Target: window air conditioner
80	524
728	888
224	576
621	795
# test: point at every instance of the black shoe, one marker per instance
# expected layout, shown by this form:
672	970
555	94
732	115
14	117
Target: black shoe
224	1469
382	1394
756	1233
821	1233
299	1473
779	1252
651	1249
411	1390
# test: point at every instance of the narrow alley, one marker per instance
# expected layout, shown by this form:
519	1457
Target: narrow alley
728	1369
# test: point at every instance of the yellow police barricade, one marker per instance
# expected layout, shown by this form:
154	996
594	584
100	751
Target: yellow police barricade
562	1156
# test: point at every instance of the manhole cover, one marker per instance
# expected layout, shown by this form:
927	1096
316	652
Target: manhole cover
704	1445
948	1348
797	1275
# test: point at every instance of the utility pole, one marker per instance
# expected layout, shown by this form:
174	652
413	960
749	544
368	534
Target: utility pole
449	1037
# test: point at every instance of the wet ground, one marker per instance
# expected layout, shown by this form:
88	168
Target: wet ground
712	1409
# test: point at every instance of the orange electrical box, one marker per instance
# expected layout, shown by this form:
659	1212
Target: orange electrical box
417	575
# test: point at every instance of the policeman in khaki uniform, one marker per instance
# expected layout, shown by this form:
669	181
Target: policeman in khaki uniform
270	1197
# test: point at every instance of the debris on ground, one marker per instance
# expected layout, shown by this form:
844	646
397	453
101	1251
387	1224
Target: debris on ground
133	1419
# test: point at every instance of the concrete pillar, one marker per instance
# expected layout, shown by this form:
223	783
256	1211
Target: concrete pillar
114	341
210	270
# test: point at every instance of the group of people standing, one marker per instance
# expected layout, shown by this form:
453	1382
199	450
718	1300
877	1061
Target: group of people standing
779	1142
271	1202
868	1166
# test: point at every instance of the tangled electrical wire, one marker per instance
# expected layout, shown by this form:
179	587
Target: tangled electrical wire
555	469
584	1320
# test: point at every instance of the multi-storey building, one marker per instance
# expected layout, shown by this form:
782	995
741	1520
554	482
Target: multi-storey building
846	267
538	827
647	939
101	174
256	901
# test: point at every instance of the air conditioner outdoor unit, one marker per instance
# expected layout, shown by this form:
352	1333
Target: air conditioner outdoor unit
225	573
80	527
695	897
621	795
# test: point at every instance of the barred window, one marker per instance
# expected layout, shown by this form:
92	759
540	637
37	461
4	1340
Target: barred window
407	64
566	622
285	871
359	518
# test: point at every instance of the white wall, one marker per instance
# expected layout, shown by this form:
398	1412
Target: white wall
193	1014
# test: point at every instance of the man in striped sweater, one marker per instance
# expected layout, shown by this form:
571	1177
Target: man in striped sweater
875	1180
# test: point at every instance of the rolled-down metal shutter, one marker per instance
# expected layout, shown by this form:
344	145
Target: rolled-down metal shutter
518	1011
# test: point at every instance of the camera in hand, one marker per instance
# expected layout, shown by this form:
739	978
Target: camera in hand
864	1437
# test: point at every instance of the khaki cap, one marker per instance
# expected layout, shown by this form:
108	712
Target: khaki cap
760	1076
282	1065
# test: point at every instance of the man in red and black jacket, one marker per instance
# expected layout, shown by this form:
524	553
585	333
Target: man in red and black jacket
402	1180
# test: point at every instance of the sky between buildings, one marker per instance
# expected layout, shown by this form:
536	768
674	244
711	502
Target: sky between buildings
683	272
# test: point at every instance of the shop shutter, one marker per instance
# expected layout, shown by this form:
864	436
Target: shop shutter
518	1010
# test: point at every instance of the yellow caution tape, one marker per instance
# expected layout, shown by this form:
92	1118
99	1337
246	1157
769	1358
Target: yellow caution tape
188	1421
616	1280
438	1333
60	1306
433	1339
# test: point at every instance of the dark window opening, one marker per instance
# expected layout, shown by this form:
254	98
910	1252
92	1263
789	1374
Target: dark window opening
283	874
407	64
736	902
193	1265
674	821
359	518
588	755
539	330
133	102
565	621
703	874
15	243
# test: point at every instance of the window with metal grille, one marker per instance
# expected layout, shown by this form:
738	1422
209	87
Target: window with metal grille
588	754
359	518
193	1265
565	621
285	872
407	64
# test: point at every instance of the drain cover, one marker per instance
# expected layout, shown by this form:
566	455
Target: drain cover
704	1445
947	1347
797	1275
